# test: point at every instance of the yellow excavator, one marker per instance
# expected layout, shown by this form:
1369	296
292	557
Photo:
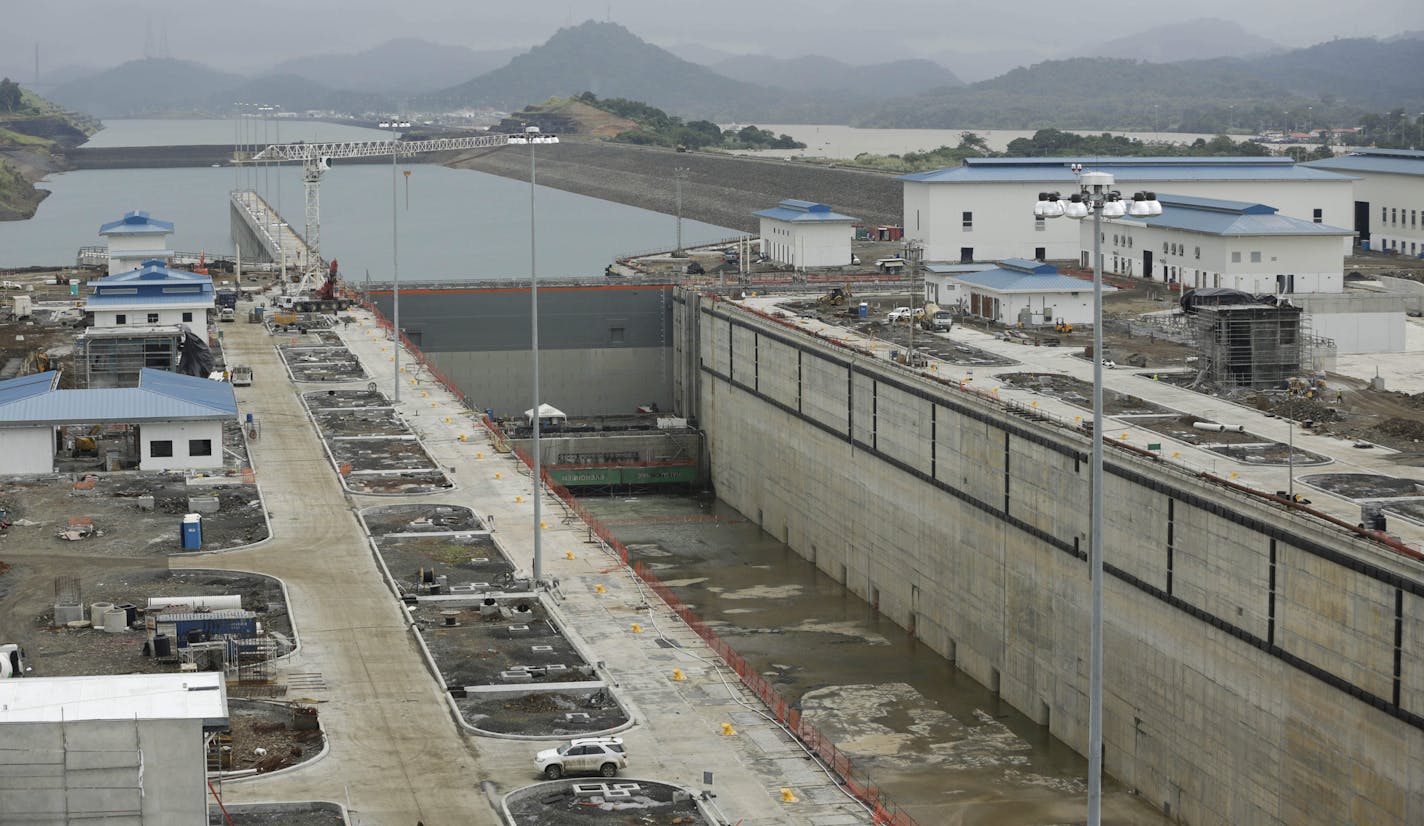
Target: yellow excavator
837	297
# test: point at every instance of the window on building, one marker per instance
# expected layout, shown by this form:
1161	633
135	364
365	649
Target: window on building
1114	239
968	220
1040	225
200	447
1166	247
1384	214
188	316
1129	242
1255	257
1318	215
1413	214
160	448
153	318
1393	215
1236	258
616	335
121	318
1198	253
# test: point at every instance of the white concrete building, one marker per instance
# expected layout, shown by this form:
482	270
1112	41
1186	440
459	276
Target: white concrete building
1208	242
805	234
114	749
1389	197
1012	292
151	295
983	210
135	238
177	420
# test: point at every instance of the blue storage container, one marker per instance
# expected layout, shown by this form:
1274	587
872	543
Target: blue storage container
192	532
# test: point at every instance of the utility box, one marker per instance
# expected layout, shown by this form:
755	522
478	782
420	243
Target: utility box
193	532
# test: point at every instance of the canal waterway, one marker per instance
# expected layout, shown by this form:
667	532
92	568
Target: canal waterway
944	747
451	224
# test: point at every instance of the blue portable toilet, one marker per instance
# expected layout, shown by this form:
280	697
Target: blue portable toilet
863	310
192	531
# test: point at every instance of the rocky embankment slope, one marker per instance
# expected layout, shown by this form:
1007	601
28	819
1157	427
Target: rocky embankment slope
28	144
720	189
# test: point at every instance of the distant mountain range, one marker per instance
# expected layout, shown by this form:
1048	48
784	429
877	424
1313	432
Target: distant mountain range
1200	39
1334	81
813	73
401	67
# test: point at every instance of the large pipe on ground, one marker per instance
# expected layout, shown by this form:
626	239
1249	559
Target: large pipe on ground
1213	427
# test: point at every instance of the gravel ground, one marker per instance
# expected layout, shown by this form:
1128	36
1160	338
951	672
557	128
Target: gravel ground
460	559
121	528
420	518
27	612
547	714
279	814
267	726
322	399
373	422
554	804
478	650
720	189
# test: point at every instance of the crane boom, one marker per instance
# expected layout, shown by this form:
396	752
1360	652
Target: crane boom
316	158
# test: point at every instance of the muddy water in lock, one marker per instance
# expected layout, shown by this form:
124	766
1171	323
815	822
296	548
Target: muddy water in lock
942	746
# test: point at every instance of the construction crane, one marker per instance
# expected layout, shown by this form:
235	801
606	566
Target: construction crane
316	158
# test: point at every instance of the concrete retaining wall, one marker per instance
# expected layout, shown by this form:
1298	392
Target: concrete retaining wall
1261	667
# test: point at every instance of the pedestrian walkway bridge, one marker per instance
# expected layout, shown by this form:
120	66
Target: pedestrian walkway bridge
262	234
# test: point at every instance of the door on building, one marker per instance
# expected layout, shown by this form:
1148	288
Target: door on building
1147	263
1362	221
1040	253
1285	284
966	255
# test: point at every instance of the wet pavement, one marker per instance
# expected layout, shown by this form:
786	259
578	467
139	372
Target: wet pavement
940	744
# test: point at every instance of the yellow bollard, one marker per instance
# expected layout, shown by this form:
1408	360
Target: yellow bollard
447	420
402	369
598	589
788	797
496	476
677	675
569	555
1176	454
543	526
1123	436
637	629
435	404
1233	475
519	499
727	730
425	394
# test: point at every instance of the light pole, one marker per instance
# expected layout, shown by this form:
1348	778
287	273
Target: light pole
530	133
679	174
1096	195
395	272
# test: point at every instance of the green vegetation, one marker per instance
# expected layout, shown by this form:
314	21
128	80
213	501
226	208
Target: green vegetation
1392	130
658	128
9	138
1046	142
12	98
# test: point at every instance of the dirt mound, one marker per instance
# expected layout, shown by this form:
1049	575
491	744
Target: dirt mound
1411	429
1305	409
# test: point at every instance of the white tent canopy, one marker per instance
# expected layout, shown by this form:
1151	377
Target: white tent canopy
546	412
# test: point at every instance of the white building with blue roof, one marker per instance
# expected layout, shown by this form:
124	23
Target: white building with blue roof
983	210
151	294
1389	197
135	238
1014	291
1210	242
805	234
176	420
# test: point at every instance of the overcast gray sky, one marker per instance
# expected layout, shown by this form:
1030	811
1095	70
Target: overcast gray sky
243	35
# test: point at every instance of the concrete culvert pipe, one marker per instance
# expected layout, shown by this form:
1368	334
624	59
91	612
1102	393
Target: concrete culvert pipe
1213	427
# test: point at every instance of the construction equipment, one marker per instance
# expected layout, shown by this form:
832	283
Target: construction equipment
837	297
1062	326
87	443
316	158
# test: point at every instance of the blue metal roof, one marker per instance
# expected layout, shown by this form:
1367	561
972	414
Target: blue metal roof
153	271
1214	216
160	396
797	211
136	223
13	390
1125	170
943	268
1017	275
1392	161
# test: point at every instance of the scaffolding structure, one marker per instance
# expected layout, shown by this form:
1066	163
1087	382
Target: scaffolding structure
113	356
1252	346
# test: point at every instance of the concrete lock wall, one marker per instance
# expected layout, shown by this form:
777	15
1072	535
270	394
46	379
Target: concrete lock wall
1250	665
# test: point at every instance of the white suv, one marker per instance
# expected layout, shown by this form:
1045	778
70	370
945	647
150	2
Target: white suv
592	755
899	314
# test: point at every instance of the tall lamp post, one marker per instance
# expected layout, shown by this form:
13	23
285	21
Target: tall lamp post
532	136
1097	197
395	275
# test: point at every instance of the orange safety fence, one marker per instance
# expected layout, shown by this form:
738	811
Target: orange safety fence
883	811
